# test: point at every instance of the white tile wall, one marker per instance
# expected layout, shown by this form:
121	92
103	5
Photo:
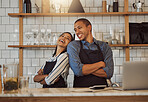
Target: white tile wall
39	53
13	37
14	3
5	3
39	20
27	62
0	54
2	45
106	19
97	3
31	54
34	58
89	3
56	20
31	20
2	28
64	20
47	20
31	70
5	37
0	3
60	28
9	28
69	28
2	12
5	20
35	62
5	54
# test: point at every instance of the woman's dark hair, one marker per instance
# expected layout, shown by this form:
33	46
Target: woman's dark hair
65	49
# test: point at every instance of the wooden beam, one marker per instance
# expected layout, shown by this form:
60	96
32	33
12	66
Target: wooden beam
125	5
20	38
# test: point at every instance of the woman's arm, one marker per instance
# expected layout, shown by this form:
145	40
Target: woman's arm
59	68
39	75
39	78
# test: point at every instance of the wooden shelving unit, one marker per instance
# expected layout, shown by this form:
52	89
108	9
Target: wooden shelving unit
21	15
66	14
77	14
53	46
32	46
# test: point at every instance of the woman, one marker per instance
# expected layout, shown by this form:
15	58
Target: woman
54	73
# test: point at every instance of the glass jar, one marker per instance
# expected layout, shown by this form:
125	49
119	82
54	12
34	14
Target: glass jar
10	77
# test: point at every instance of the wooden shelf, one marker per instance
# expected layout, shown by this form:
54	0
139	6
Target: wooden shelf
76	14
137	13
129	45
66	14
118	45
53	46
138	45
32	46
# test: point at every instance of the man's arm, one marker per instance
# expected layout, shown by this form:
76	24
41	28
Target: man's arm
73	50
92	68
78	68
100	73
106	71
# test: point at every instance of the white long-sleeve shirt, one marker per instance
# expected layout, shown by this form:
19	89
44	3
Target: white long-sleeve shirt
61	68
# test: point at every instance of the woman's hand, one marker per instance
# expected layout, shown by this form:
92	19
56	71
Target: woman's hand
40	72
43	82
39	78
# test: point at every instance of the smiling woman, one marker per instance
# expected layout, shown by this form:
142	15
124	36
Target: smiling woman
54	72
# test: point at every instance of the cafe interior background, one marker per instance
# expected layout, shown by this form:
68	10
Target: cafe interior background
34	58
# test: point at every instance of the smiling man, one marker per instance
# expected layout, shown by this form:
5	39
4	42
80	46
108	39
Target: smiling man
91	60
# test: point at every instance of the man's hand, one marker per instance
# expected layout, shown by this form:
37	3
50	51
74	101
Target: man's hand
101	64
100	73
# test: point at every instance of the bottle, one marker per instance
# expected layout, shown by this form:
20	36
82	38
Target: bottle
112	33
115	6
104	6
27	6
122	37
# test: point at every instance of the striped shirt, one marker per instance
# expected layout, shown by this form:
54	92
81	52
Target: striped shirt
61	68
73	51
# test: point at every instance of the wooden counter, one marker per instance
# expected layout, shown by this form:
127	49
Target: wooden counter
75	95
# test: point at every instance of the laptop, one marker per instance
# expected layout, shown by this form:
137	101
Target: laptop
135	75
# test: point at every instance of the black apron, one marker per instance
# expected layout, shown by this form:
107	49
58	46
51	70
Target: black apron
89	57
47	69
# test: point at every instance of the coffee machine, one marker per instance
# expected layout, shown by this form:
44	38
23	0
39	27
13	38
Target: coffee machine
138	6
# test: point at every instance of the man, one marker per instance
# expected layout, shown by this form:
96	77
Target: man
90	60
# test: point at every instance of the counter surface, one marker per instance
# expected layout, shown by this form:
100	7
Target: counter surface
75	95
51	92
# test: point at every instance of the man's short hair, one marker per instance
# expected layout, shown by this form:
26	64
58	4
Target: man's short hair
84	20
